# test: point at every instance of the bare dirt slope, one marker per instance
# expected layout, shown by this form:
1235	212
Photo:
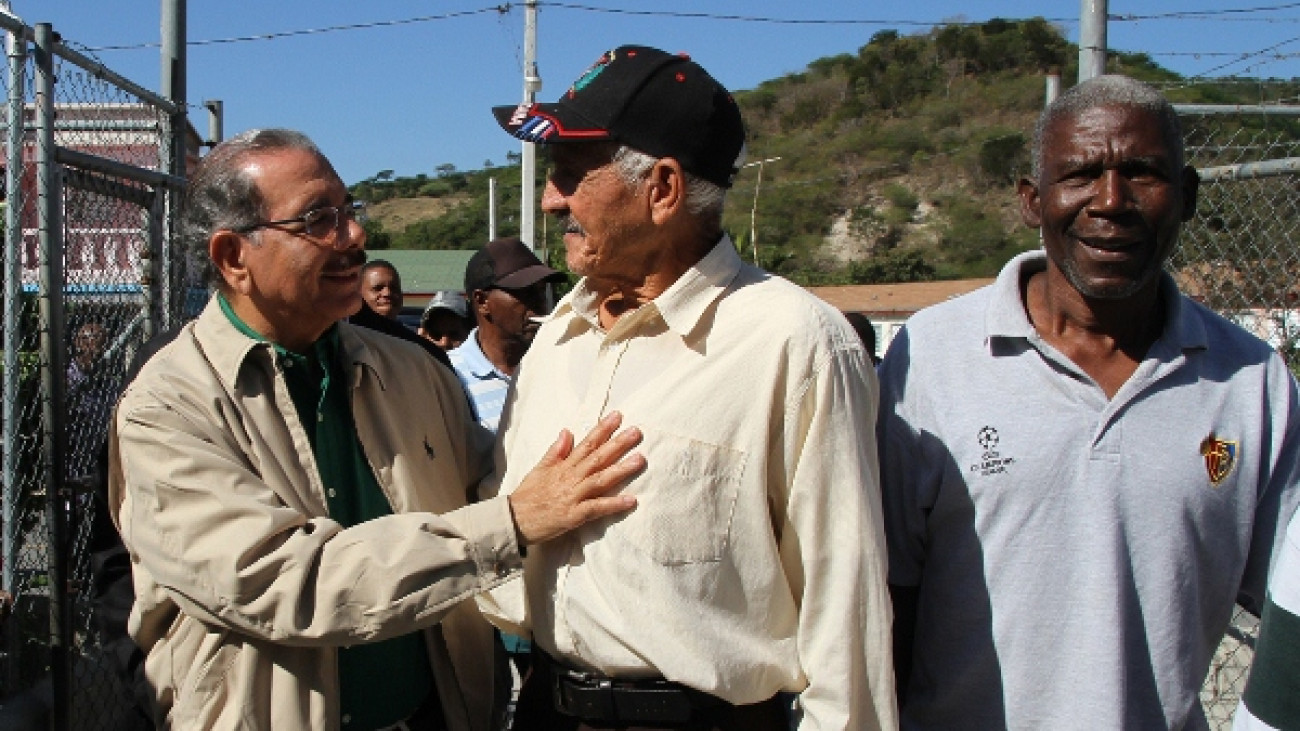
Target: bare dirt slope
395	214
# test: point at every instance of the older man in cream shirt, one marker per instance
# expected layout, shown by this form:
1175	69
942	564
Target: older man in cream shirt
747	588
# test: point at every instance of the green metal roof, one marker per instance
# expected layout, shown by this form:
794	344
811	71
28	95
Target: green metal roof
425	272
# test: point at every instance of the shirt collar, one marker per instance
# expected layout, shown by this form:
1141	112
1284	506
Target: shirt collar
471	355
323	350
228	342
683	304
1006	316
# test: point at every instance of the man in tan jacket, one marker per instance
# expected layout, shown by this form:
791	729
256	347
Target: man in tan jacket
296	509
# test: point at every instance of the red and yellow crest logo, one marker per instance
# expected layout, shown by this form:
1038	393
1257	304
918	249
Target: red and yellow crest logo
1220	457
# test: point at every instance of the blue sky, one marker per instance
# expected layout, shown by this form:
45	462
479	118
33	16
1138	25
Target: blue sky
412	90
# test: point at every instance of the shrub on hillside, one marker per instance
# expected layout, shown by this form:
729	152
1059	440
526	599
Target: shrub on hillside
892	266
1003	158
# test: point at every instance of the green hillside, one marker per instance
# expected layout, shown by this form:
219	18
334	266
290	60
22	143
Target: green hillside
897	163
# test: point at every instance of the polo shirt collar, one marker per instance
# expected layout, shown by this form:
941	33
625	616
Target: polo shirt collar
683	304
475	360
1006	316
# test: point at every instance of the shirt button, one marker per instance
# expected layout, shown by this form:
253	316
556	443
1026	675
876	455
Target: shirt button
347	718
330	492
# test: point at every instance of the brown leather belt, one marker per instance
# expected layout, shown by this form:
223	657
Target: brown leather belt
595	698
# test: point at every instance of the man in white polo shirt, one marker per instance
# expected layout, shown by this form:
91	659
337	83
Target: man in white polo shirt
1082	468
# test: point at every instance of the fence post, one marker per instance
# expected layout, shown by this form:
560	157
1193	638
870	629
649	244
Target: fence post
53	375
16	48
1092	39
168	287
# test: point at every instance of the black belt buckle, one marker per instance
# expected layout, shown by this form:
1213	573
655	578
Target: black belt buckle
591	699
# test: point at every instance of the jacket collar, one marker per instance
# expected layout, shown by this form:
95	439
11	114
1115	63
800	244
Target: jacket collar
227	348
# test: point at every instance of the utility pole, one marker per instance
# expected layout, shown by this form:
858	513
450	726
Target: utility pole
158	269
1092	39
753	211
492	208
528	168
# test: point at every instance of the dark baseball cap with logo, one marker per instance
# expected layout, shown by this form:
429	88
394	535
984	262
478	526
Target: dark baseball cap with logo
662	104
506	264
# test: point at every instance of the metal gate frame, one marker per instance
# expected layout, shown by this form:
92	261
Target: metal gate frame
30	124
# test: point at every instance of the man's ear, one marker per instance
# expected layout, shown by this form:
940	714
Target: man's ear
1030	203
479	300
226	248
665	189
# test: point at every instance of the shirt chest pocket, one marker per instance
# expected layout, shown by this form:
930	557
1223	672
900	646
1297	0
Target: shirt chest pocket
685	500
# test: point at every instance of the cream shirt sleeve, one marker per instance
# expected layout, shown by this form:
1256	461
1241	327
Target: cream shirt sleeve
232	551
834	551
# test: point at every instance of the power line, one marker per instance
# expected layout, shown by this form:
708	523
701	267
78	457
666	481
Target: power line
768	19
1218	54
506	8
1197	14
1245	57
1215	14
501	9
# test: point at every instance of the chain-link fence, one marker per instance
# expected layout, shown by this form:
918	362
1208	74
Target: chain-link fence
1239	257
1239	254
91	171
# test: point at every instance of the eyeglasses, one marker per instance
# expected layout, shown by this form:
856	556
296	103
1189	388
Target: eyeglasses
317	223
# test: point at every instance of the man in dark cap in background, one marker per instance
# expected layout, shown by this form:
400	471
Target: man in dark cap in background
752	571
506	285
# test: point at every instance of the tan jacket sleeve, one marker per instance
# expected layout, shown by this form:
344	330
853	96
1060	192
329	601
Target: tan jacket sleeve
234	551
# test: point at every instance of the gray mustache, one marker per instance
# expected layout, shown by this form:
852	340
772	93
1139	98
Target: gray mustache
569	225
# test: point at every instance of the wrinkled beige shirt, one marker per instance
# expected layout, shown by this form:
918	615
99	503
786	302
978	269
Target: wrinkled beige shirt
244	585
754	562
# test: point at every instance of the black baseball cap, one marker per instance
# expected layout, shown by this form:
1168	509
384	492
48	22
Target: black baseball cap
508	264
662	104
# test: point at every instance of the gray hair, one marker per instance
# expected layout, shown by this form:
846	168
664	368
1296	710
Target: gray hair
222	195
703	199
1109	91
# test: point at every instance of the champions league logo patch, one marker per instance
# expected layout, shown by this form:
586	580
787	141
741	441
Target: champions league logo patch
1220	457
991	461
